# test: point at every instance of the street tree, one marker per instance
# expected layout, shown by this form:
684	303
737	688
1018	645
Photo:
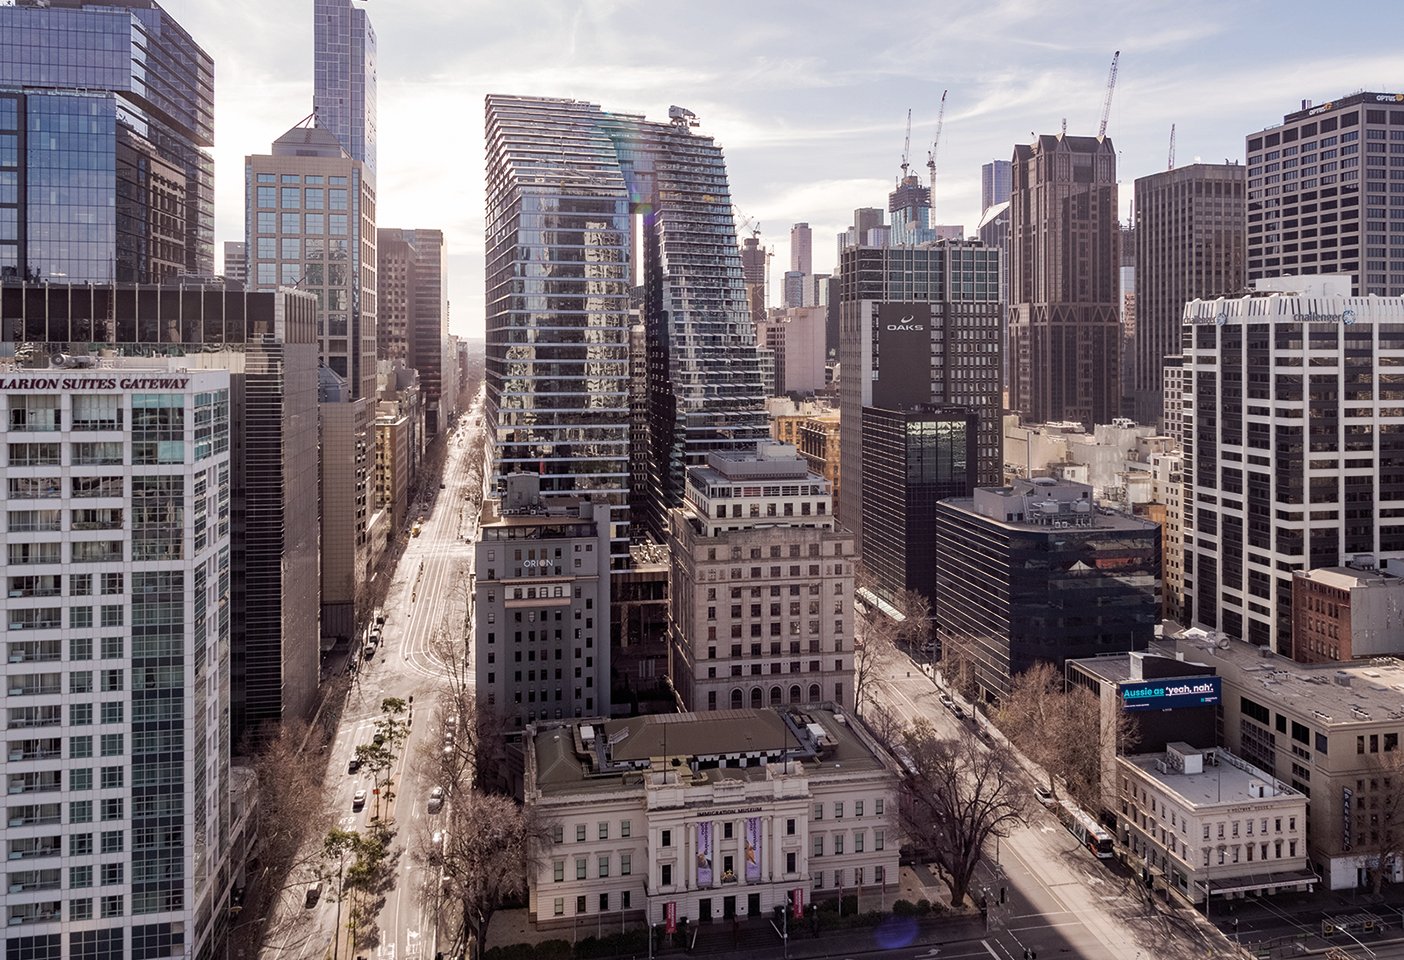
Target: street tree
914	628
957	794
1378	816
873	650
481	858
469	749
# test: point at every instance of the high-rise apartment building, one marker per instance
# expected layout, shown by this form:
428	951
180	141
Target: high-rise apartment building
309	222
1065	310
1293	447
995	183
801	249
118	578
541	605
1321	185
918	325
236	267
761	591
106	120
1190	245
412	314
268	344
1038	572
344	78
559	310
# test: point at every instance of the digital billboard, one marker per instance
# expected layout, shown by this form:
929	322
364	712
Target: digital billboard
903	356
1172	693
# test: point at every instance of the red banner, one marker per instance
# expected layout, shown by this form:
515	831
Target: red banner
670	916
797	895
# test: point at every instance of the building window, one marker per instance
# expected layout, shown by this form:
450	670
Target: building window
790	827
818	845
623	828
818	811
604	830
838	809
667	838
857	808
857	841
557	833
580	904
790	862
580	868
604	866
559	906
580	833
838	844
558	870
665	875
878	805
626	864
878	836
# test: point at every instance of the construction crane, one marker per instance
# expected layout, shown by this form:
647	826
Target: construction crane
907	145
936	144
744	222
1170	164
1106	106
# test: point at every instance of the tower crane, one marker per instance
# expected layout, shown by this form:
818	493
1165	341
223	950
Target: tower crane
1170	164
907	145
936	143
1106	105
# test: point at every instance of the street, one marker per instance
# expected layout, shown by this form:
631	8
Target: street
425	607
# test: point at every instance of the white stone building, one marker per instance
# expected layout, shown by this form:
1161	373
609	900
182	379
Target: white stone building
719	815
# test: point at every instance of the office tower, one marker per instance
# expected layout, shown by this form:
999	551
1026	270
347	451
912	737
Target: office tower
995	178
1318	199
106	120
831	317
542	590
866	220
268	344
117	664
412	313
801	249
754	261
912	459
236	267
760	605
1037	572
914	331
794	288
796	337
1065	319
1190	245
1290	399
344	78
309	222
704	384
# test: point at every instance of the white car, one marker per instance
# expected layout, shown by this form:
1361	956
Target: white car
358	799
436	799
438	837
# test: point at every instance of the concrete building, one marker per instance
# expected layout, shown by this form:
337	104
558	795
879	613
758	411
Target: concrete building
707	817
347	443
761	587
638	618
268	344
1190	245
236	267
704	398
1290	399
117	613
1331	731
869	230
1114	458
344	78
1346	612
996	183
801	250
1037	572
1318	186
796	284
412	315
1065	305
309	222
541	623
916	331
817	439
1207	824
796	337
107	119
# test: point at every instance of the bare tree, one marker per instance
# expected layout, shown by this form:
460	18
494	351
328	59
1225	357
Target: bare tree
470	741
1032	716
958	659
914	629
1378	816
873	649
957	795
481	858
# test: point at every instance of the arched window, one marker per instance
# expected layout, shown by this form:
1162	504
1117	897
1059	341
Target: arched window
775	696
756	697
795	693
814	693
737	699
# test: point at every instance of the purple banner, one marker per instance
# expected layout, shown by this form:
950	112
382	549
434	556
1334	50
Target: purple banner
753	849
704	853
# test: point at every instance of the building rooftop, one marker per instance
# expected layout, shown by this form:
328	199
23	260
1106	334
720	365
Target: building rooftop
1348	578
1127	667
605	755
769	461
1209	778
1043	503
1335	694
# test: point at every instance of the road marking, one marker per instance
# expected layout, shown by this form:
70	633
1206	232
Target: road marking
986	945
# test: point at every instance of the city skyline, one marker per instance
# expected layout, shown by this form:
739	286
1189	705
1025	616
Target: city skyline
808	135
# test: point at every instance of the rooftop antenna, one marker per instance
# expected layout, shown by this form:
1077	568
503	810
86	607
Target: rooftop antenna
907	144
1106	105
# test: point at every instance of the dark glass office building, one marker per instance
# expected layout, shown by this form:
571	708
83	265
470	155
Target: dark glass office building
268	342
912	460
106	120
1038	572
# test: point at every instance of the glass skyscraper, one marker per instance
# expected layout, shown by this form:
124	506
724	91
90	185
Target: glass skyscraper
343	90
106	120
570	189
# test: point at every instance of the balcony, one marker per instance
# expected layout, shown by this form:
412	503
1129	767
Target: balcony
34	913
34	848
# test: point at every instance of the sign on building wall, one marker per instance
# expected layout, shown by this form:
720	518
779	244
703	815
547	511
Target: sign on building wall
704	853
1170	694
903	355
753	849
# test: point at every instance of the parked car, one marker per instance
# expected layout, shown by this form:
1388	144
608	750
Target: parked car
959	713
438	837
353	765
946	701
358	799
436	799
1045	796
314	893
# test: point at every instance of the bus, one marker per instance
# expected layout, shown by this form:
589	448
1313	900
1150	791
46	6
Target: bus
1088	832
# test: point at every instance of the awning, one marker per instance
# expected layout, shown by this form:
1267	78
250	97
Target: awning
1259	881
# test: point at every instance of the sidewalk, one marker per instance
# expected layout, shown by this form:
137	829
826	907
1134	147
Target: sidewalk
1291	924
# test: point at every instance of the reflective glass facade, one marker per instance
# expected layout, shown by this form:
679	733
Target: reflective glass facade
106	117
343	92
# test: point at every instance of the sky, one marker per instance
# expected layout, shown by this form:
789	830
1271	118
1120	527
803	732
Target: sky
808	99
